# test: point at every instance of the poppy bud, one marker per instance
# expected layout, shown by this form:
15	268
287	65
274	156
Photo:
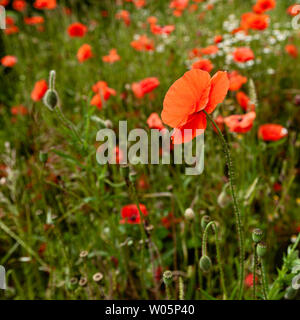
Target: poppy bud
204	221
261	249
50	99
189	214
43	156
168	277
290	293
205	263
257	235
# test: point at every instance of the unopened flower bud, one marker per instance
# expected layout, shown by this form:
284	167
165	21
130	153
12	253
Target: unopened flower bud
261	249
205	263
51	99
257	235
168	277
204	221
189	214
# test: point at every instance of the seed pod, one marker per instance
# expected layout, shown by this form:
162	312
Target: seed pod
257	235
189	214
51	99
261	249
168	277
204	221
205	263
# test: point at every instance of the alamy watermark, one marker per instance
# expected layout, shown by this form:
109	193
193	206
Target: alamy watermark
139	147
2	18
2	278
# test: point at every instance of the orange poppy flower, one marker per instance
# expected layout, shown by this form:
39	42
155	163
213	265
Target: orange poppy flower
103	92
156	29
19	5
187	97
210	50
39	90
9	61
124	15
131	214
291	50
293	10
154	122
77	29
243	54
262	6
139	3
254	21
143	43
179	4
84	53
111	57
244	101
45	4
34	20
141	88
272	132
218	39
9	20
4	3
240	123
236	80
203	64
219	120
196	52
11	30
19	110
152	20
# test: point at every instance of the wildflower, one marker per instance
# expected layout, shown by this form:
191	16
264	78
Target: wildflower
152	20
39	90
219	120
155	29
143	43
34	20
21	110
236	80
272	132
84	53
203	64
9	61
254	21
293	10
154	122
244	101
240	123
11	30
249	280
185	100
77	29
292	50
218	39
243	54
141	88
179	4
19	5
262	6
45	4
97	276
112	57
130	213
124	15
4	3
210	50
103	92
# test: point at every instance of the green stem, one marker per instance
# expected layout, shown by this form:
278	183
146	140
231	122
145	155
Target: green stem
235	205
264	279
254	272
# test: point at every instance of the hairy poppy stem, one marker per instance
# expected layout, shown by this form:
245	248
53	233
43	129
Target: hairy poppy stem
254	272
237	212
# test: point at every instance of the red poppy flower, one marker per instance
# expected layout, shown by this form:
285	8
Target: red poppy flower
240	123
11	30
141	88
152	20
84	53
124	15
254	21
291	50
156	29
45	4
4	3
131	215
143	43
112	57
236	80
243	54
9	61
34	20
210	50
218	39
272	132
179	4
203	64
77	29
244	101
9	20
39	90
249	280
277	187
293	10
103	92
21	110
262	6
219	120
187	97
19	5
154	122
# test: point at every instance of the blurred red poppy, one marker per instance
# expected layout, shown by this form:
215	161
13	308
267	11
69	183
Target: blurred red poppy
249	280
124	15
236	80
244	101
77	29
112	57
262	6
39	90
292	50
45	4
243	54
203	64
141	88
19	5
131	215
21	110
154	121
254	21
272	132
9	61
143	43
240	123
84	53
34	20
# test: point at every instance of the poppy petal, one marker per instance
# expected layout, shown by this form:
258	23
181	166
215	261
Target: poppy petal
218	91
187	95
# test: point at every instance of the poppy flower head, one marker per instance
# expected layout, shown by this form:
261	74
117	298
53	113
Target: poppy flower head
203	64
244	101
152	20
293	10
21	110
218	39
254	21
272	132
240	123
45	4
141	88
77	29
34	20
39	90
187	97
124	15
103	93
112	57
210	50
154	122
243	54
130	213
262	6
9	61
249	280
292	50
143	43
84	53
236	81
19	5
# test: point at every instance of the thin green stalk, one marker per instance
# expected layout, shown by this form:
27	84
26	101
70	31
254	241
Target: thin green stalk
237	213
264	279
254	272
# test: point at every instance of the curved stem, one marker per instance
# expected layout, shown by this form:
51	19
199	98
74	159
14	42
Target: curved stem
237	212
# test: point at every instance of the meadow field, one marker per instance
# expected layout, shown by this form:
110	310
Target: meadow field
73	227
